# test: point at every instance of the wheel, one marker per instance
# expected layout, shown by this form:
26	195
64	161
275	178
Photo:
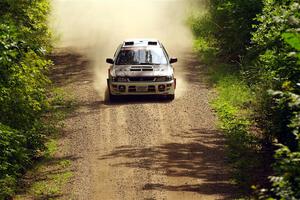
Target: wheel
111	96
170	97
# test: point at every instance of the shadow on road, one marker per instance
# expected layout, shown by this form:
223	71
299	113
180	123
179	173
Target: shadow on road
69	67
193	70
136	99
41	181
201	159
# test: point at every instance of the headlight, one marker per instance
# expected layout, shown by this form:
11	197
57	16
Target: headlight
113	79
164	78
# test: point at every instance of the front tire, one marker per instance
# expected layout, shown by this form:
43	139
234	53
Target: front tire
111	96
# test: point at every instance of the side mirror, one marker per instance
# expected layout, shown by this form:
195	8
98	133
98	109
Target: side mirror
173	60
109	61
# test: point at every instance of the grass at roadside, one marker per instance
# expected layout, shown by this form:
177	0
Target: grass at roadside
50	174
233	102
233	107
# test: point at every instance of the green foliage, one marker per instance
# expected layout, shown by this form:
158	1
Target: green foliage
287	184
227	27
234	19
24	40
286	180
206	52
276	65
292	39
13	158
53	173
52	186
262	38
205	44
278	20
232	107
30	19
225	31
234	91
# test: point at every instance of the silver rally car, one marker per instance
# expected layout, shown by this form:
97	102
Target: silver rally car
141	67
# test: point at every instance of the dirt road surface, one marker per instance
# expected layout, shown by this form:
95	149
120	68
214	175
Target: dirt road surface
141	147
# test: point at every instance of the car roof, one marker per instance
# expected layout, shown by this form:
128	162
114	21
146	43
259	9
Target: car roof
140	43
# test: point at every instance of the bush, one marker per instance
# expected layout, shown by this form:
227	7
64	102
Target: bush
260	39
225	31
234	21
276	66
205	44
24	41
286	180
13	158
232	106
22	85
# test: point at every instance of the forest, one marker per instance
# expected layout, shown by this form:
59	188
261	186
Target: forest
254	48
25	40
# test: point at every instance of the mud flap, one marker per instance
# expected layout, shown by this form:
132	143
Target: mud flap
110	96
108	88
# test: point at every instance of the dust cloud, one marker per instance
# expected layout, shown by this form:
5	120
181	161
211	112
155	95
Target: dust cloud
96	27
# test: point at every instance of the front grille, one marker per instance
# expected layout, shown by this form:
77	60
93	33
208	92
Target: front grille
135	70
131	89
142	79
151	88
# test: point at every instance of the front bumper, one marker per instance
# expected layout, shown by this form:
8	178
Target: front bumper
142	88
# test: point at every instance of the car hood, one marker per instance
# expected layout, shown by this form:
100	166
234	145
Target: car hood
141	70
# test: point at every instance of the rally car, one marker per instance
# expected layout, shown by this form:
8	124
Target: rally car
141	67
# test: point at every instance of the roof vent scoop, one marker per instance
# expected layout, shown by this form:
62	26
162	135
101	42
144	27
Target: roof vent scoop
129	43
152	43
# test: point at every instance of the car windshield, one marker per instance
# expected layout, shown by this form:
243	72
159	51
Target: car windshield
141	56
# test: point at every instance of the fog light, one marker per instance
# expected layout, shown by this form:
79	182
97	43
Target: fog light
122	88
161	87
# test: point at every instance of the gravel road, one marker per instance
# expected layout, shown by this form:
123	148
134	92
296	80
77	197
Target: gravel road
140	147
143	147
